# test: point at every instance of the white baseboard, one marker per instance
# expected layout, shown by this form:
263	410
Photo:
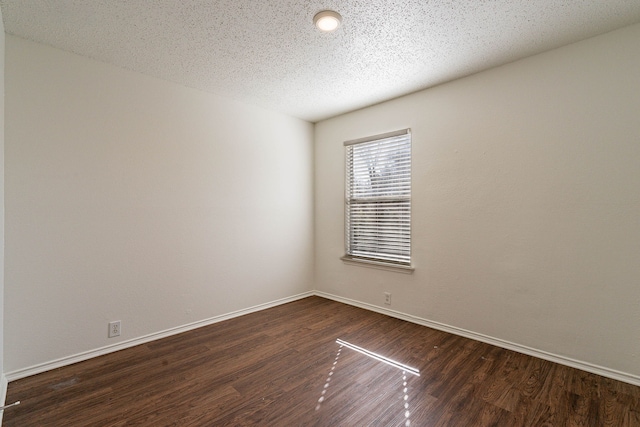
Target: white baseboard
69	360
3	389
3	394
585	366
562	360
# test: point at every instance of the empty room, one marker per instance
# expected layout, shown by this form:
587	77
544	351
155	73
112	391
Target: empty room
308	213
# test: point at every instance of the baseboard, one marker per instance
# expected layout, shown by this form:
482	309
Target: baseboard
585	366
69	360
3	394
562	360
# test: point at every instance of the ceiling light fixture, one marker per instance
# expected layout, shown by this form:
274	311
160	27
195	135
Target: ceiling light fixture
327	20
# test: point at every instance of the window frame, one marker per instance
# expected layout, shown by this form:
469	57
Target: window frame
349	257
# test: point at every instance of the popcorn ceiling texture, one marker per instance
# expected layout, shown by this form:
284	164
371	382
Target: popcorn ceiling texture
269	53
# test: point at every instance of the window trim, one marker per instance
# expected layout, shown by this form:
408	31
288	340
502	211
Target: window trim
368	262
364	262
406	131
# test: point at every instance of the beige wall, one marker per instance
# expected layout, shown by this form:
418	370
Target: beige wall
526	203
130	198
2	38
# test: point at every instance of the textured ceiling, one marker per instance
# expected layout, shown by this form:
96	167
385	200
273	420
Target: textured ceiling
269	53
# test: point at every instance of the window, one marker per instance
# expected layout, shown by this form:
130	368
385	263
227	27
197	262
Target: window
378	199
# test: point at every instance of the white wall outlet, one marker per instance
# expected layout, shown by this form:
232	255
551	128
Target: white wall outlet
387	298
114	329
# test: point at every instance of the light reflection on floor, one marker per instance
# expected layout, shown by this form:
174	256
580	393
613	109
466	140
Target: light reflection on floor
404	368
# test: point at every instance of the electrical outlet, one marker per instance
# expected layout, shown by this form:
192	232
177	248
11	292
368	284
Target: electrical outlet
114	329
387	298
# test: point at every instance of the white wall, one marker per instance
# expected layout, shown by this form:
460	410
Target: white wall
2	37
134	199
526	203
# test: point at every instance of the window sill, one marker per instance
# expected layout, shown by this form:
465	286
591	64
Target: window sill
377	264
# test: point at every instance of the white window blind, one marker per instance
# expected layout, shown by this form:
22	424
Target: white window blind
378	198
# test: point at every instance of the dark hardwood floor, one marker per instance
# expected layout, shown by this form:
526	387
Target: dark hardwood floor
283	367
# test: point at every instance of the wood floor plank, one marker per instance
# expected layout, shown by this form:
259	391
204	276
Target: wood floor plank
283	367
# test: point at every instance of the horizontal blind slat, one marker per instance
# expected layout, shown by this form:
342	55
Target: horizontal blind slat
378	199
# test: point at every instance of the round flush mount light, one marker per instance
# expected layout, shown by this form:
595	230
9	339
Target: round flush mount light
327	20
